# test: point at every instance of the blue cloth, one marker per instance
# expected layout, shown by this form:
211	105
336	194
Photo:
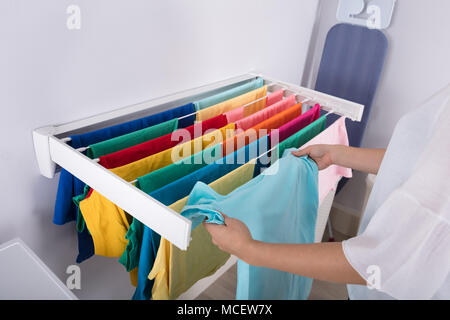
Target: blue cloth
229	94
288	217
85	245
69	186
149	249
352	61
179	189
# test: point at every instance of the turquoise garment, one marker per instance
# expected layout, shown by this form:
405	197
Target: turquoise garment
148	240
288	217
229	94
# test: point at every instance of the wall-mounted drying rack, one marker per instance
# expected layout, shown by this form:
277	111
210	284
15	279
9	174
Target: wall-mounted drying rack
52	151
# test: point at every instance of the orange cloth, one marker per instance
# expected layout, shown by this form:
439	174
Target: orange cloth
282	118
241	139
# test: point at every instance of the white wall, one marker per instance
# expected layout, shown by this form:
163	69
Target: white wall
126	52
417	66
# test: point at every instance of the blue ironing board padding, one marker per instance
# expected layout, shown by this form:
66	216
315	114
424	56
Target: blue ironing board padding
351	66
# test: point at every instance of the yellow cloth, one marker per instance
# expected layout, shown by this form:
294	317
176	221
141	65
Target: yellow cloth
175	270
234	103
107	223
134	277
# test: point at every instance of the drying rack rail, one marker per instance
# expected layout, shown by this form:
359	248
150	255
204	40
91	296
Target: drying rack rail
51	151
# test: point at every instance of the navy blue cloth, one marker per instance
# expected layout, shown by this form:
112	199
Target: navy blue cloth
70	186
181	188
88	138
85	245
351	66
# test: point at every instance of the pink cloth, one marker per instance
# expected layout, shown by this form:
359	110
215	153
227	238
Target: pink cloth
275	97
238	113
328	178
293	126
265	114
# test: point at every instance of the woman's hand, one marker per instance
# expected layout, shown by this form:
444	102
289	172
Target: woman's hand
233	237
365	160
322	154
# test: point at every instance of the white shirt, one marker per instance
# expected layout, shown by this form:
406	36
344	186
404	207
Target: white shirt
404	238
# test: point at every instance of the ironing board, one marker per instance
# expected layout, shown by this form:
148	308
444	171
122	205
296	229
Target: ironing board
351	66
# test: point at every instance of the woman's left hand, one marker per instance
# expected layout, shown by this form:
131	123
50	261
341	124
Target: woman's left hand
233	237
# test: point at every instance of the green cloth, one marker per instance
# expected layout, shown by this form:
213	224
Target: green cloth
77	199
156	180
229	94
119	143
303	136
130	257
131	139
161	177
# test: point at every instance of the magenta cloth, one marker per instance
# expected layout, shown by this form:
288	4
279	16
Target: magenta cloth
294	126
328	178
238	113
265	113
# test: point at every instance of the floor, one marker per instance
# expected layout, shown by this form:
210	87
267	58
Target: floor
225	287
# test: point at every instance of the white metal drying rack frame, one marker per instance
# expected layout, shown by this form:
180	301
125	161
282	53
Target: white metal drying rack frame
52	151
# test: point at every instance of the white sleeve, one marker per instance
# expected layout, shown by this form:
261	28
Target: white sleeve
408	238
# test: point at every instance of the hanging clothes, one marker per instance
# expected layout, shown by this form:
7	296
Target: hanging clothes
102	148
107	223
279	119
183	268
123	157
69	186
228	94
290	217
137	152
252	134
163	269
237	114
295	125
275	97
143	166
234	103
161	177
266	113
168	195
300	138
148	148
181	187
86	248
81	224
154	181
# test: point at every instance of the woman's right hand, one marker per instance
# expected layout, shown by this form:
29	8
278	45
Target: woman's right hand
322	154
